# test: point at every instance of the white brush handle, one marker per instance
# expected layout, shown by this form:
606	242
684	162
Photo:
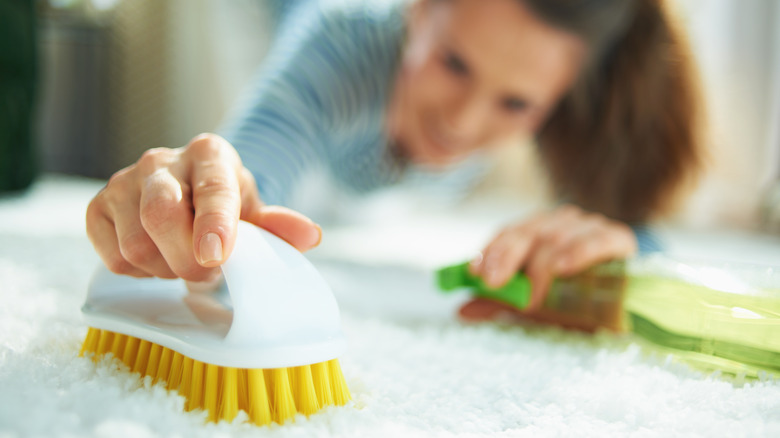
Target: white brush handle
276	292
283	312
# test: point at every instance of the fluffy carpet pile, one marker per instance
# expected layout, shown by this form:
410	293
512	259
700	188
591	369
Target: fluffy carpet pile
412	368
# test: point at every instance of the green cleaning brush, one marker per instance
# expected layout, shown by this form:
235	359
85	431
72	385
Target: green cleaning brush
268	348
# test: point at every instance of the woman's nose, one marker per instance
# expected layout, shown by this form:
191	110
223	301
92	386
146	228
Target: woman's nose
465	118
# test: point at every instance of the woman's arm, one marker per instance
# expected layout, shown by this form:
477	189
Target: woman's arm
318	99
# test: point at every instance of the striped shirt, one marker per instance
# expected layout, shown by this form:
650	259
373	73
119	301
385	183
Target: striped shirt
319	102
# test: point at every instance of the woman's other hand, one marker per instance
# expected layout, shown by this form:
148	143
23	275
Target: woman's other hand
174	213
559	243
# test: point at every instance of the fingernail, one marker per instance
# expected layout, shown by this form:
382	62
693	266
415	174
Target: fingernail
210	248
319	235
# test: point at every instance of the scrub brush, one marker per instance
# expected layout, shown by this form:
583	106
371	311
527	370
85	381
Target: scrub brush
267	345
718	317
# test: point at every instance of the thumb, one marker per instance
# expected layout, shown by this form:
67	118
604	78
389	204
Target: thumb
293	227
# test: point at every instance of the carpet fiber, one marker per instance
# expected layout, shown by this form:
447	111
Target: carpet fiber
412	368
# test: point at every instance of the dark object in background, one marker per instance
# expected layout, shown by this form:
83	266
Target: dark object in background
18	77
73	117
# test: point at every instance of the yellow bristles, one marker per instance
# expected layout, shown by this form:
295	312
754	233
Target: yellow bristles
303	390
143	357
91	343
104	344
131	351
164	368
211	392
175	376
228	403
259	409
196	388
154	362
321	378
341	393
185	386
265	395
118	346
283	405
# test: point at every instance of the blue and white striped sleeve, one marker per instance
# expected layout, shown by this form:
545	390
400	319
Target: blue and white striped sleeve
311	102
647	240
278	129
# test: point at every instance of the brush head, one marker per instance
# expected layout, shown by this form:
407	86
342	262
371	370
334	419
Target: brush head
277	311
266	395
266	344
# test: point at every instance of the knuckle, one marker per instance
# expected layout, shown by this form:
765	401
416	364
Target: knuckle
216	184
596	218
211	146
118	187
138	250
584	249
557	237
117	264
219	221
94	211
569	211
552	234
247	182
120	177
205	145
514	232
153	159
157	211
246	176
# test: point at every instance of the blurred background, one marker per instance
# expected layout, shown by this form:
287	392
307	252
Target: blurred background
112	78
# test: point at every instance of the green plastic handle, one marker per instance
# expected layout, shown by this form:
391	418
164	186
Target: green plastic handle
516	292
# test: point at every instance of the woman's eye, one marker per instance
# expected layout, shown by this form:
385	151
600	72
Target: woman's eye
515	104
455	64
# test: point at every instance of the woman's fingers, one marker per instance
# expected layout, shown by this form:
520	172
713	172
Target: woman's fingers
175	213
553	236
293	227
540	274
606	242
102	234
216	198
555	244
166	213
504	256
135	245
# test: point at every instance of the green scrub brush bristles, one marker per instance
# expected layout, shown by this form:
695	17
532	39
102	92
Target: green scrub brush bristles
266	395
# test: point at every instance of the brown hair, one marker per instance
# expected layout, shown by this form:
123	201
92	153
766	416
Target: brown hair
625	139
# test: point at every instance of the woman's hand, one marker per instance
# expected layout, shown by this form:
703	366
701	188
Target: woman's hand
174	213
558	243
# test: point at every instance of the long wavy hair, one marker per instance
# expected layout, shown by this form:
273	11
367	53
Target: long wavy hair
625	140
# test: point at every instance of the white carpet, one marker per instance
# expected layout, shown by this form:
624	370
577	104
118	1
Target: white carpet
413	370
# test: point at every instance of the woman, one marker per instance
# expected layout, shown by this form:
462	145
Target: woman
377	94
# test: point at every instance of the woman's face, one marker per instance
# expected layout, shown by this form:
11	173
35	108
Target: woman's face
476	73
